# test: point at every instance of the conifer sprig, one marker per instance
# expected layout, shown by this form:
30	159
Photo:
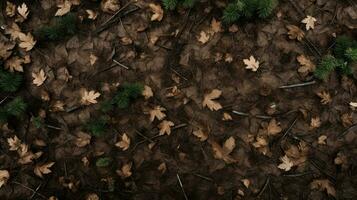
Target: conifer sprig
9	82
14	108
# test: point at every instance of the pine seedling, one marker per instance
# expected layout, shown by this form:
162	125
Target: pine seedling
14	108
342	44
327	65
351	54
97	127
103	162
60	28
172	4
266	7
9	82
126	94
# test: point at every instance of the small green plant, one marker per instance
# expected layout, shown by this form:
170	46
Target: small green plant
97	127
103	162
248	9
172	4
345	52
14	108
9	82
59	28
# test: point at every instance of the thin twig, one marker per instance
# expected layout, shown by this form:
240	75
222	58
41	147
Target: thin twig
345	132
178	74
53	127
33	195
248	115
203	177
264	187
289	129
144	136
4	99
298	174
116	14
297	85
32	190
121	65
181	185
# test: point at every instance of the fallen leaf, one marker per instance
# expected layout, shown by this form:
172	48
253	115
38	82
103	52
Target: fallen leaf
353	105
27	42
92	196
124	143
23	10
322	140
4	177
208	100
110	6
246	182
157	113
39	78
83	139
315	122
306	64
251	63
14	64
158	12
165	127
273	127
63	8
227	117
40	170
229	145
14	31
223	152
147	92
286	164
325	97
295	32
5	49
340	159
89	97
125	171
14	143
216	26
310	22
91	14
92	59
323	184
204	37
10	9
202	136
162	168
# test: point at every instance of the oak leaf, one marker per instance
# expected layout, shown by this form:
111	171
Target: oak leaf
39	78
165	127
286	163
251	63
208	100
40	170
89	97
158	12
310	22
4	177
157	113
124	143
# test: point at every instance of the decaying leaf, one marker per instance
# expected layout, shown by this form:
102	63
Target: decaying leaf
322	140
323	184
226	117
204	37
4	177
124	143
165	127
295	32
40	170
157	113
39	78
89	97
224	151
5	49
251	63
273	127
216	26
208	100
125	171
310	22
13	30
286	163
202	135
147	92
158	12
23	10
315	122
14	64
64	8
83	139
110	6
306	64
27	42
325	97
10	9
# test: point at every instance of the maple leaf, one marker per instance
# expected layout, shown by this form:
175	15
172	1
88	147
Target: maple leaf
39	170
251	63
322	139
202	136
83	139
14	64
306	64
224	151
23	10
147	92
14	143
208	100
110	6
10	9
310	22
89	97
323	184
5	49
227	117
273	127
158	12
216	26
295	32
124	143
315	122
203	38
325	97
14	31
157	113
63	8
27	42
91	14
39	78
165	127
4	177
286	163
125	171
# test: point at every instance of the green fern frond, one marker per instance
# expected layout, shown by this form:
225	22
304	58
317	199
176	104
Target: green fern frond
170	4
266	7
351	54
326	66
9	82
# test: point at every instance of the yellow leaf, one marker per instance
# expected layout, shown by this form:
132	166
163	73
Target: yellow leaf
27	42
310	22
147	92
158	12
208	100
43	169
39	78
83	139
124	144
23	10
286	163
165	127
110	6
89	97
157	113
4	177
251	63
273	127
64	8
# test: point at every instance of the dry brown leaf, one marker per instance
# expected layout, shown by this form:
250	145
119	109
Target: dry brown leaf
89	97
14	143
14	31
124	143
27	42
246	182
92	196
39	78
10	9
125	171
315	122
4	177
147	92
286	163
40	170
310	22
340	159
295	32
223	152
91	14
306	64
273	127
208	100
202	136
85	161
5	50
227	117
14	64
216	26
165	127
110	6
92	59
353	105
158	12
162	168
233	28
322	140
83	139
23	10
27	156
325	97
261	144
157	113
203	38
323	184
64	8
251	63
228	58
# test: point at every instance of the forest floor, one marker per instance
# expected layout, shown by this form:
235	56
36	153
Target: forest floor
206	127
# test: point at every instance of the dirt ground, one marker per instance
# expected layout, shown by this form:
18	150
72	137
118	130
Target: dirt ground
234	152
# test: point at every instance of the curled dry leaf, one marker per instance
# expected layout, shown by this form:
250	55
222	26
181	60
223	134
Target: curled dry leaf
224	151
110	6
251	63
4	177
322	140
158	12
295	32
10	9
202	135
208	100
23	10
39	78
306	64
286	163
203	38
125	171
323	184
14	143
124	143
83	139
89	97
157	113
147	92
165	127
40	170
273	127
310	22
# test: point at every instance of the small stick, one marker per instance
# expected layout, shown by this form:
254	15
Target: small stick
290	127
33	195
53	127
203	177
347	131
178	74
116	14
264	187
297	85
248	115
121	65
142	135
32	190
181	185
4	99
298	174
